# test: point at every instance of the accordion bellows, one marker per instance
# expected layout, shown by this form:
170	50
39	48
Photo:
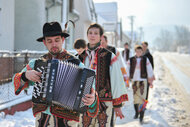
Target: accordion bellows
63	84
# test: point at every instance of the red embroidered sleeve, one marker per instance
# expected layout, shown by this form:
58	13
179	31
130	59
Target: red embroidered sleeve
119	100
17	83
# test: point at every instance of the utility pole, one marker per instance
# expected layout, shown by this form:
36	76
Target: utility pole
121	33
141	38
132	23
64	17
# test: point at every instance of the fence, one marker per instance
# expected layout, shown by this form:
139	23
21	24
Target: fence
11	63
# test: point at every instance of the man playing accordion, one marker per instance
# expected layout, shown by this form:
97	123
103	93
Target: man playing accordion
53	115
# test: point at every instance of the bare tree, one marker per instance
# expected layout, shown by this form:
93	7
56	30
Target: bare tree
164	40
182	37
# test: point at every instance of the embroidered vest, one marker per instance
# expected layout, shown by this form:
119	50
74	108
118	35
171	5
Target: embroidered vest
112	49
143	69
103	84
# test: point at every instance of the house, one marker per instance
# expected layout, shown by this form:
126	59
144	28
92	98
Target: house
7	17
21	21
108	18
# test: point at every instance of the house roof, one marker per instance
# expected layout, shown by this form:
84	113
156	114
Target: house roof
108	11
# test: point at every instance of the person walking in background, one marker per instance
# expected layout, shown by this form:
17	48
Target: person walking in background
80	46
139	70
104	44
147	54
126	53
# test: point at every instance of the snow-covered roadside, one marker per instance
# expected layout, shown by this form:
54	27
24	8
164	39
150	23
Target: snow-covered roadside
167	106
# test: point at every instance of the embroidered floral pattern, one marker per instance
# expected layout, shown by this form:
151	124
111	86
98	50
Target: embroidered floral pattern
64	113
17	83
102	119
119	100
36	108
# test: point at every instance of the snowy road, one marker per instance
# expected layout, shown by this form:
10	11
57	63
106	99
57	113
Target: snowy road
179	65
168	102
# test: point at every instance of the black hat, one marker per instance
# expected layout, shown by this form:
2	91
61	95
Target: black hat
52	29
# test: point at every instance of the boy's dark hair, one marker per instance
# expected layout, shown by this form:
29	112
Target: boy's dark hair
80	43
144	42
105	37
126	44
95	25
138	47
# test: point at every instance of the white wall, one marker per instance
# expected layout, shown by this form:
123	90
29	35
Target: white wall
84	21
55	14
7	24
30	16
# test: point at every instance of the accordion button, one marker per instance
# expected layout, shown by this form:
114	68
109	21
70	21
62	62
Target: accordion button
79	92
81	86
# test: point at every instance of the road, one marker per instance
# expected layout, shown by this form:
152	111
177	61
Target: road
179	66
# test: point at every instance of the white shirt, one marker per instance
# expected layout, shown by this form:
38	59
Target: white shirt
137	73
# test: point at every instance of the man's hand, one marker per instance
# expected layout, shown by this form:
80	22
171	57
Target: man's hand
33	75
118	113
150	85
89	98
150	81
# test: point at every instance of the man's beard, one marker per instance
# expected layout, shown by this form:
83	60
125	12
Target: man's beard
55	53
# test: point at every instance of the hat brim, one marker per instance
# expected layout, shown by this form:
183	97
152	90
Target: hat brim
65	35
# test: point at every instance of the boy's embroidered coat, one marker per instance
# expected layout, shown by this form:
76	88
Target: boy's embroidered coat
110	84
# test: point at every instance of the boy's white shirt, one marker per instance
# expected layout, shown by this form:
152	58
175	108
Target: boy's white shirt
137	73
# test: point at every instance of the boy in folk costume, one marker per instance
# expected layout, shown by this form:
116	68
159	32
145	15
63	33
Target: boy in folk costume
139	70
109	82
80	46
53	115
104	44
126	53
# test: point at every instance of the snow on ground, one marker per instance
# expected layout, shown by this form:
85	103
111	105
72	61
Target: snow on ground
167	105
19	119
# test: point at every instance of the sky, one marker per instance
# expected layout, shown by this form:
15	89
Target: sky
152	14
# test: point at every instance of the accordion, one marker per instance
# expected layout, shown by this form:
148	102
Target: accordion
63	84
